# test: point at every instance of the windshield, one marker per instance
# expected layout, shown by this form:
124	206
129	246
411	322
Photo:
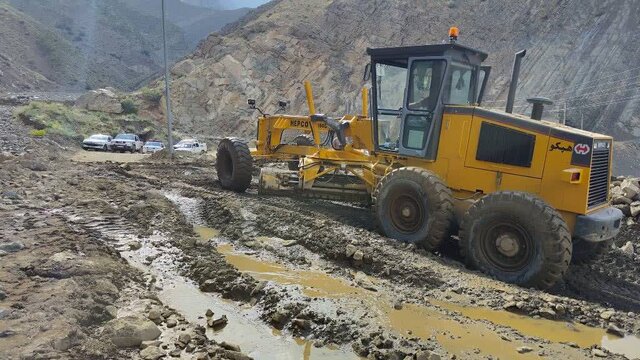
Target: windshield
154	144
184	145
126	137
99	137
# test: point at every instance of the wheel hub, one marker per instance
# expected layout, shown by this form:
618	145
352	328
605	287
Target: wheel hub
508	245
406	213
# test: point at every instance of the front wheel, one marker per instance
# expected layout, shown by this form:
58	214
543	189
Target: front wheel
234	164
517	238
414	206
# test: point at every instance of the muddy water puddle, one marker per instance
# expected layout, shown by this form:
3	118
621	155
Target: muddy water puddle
466	335
244	327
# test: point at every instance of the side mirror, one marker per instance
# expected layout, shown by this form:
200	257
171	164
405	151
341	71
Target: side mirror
251	103
367	72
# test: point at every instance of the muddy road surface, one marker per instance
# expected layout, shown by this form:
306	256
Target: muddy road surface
133	256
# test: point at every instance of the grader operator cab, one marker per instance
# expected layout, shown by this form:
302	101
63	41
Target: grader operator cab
524	196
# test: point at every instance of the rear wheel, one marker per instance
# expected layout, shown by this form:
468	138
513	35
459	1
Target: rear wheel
585	252
414	206
300	140
234	164
516	238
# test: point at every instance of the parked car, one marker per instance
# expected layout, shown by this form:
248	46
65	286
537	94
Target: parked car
127	142
97	142
191	145
152	146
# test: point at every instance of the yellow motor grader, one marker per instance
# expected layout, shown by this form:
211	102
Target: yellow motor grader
524	196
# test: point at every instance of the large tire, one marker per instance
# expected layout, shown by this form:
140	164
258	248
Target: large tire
300	140
414	206
585	252
517	238
234	164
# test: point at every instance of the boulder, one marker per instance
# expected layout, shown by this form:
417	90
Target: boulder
630	188
524	349
131	331
628	249
607	314
626	209
183	68
100	100
621	200
151	353
634	208
11	246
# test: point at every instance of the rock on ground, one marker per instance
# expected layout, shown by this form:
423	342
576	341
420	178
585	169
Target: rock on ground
100	100
131	331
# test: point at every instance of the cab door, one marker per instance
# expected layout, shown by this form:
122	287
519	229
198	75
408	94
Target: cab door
422	109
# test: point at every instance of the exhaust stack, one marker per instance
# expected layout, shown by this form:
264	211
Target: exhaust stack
514	79
538	106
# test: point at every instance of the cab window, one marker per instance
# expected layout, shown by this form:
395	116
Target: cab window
459	87
424	89
390	84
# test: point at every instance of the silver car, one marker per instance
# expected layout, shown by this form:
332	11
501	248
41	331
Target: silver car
152	146
97	142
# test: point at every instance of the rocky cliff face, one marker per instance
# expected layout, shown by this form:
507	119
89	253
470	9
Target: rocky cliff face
582	53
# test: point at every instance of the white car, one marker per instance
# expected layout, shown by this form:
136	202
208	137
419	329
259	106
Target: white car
97	142
127	142
190	145
152	146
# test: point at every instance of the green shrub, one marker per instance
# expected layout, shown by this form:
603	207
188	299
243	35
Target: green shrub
152	95
38	133
129	107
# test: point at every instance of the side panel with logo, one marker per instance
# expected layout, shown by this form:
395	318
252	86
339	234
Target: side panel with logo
564	155
582	152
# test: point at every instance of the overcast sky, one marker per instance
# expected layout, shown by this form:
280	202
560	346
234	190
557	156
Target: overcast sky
233	4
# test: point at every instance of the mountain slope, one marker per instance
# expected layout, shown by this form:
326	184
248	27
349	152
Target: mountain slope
119	47
49	57
580	52
195	22
100	43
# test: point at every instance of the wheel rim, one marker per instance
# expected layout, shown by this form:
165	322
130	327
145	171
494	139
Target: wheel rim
407	211
507	246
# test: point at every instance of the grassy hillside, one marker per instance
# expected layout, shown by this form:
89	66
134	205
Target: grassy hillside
75	124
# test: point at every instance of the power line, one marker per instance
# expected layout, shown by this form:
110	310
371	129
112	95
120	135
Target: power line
602	103
578	89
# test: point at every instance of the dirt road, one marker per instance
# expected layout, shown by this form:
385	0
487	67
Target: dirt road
101	156
88	245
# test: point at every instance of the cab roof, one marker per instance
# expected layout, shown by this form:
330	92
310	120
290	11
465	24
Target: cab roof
447	49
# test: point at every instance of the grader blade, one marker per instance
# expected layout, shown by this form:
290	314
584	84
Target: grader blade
336	187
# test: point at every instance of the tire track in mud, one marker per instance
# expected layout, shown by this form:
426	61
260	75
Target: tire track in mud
322	235
327	228
288	308
316	232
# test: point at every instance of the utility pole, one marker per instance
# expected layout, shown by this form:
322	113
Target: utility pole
166	82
